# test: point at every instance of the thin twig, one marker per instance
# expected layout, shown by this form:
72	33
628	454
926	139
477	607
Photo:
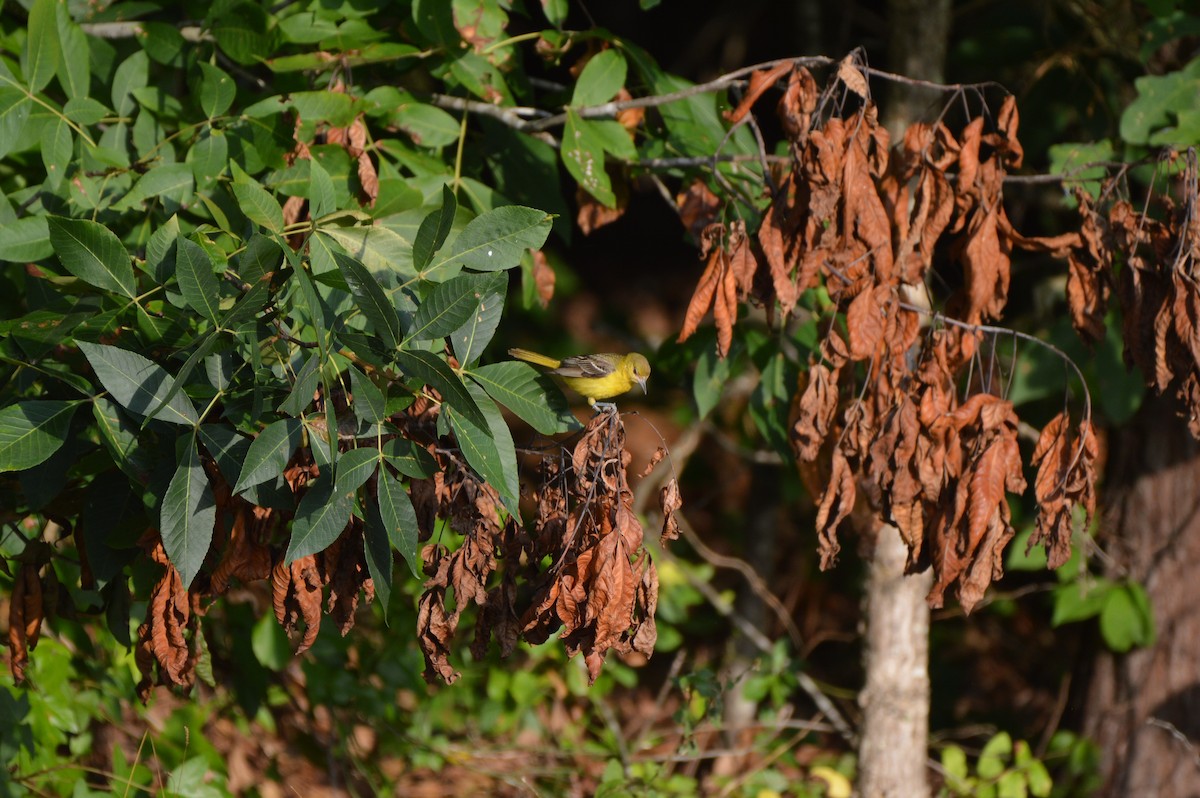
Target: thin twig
764	645
752	577
1174	731
611	109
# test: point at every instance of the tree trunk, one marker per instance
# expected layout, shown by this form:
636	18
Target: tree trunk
1143	708
895	700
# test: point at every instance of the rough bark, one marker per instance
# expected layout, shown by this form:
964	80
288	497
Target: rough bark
895	699
1143	708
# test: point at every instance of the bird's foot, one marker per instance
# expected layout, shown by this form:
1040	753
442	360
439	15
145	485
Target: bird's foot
605	407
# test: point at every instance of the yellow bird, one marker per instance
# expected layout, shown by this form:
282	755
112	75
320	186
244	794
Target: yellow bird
601	376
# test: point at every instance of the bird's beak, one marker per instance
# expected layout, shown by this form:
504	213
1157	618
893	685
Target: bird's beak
642	382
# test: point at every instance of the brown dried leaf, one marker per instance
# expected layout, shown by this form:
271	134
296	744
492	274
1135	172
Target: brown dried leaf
629	118
594	214
725	306
840	492
742	262
543	278
813	412
368	179
702	299
849	73
797	105
864	325
773	241
698	207
669	501
760	81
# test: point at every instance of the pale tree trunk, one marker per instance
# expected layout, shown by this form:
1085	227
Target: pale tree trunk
895	699
1143	708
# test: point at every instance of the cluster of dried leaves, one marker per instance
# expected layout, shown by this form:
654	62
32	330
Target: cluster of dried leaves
599	589
34	587
246	548
878	417
1157	289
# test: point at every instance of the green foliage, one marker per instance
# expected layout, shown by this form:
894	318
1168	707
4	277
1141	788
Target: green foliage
1123	608
1004	770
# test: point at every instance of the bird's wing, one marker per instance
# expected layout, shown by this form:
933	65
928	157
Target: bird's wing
587	366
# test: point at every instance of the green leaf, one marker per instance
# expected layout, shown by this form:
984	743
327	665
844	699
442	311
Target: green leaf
163	42
410	458
614	138
197	282
269	453
354	468
601	79
497	239
431	235
332	107
995	751
25	240
320	518
379	248
133	73
241	30
527	392
432	370
488	449
85	111
556	12
190	780
247	306
208	158
270	644
188	515
43	51
1079	600
1040	783
306	384
712	373
14	112
321	192
120	436
473	336
217	90
369	404
57	150
74	70
32	431
138	384
447	307
1016	559
770	401
1127	619
371	299
255	201
227	447
378	549
91	252
1011	785
954	762
173	182
583	155
1159	99
427	125
400	520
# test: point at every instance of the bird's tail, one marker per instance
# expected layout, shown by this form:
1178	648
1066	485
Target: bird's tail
535	358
